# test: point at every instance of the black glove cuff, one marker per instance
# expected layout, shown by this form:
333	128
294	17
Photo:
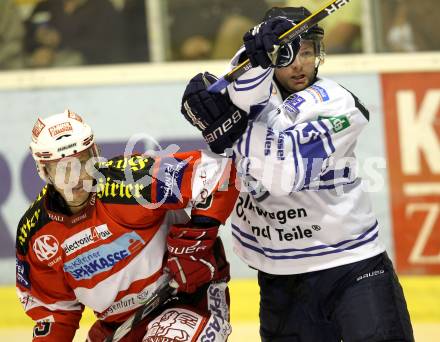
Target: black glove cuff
222	133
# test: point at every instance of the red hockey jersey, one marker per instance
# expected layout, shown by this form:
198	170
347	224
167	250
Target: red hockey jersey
110	255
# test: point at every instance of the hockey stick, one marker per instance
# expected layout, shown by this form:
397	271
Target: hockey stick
159	297
286	37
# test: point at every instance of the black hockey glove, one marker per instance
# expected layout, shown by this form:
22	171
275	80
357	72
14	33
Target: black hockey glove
263	46
214	114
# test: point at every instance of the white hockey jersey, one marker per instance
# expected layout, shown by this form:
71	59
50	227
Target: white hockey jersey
302	207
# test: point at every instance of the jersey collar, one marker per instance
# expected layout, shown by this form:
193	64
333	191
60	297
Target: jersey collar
56	209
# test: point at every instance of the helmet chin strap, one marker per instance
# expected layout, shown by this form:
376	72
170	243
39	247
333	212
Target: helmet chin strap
79	205
50	181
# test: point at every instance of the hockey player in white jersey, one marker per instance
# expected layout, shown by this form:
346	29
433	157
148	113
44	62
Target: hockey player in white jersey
302	218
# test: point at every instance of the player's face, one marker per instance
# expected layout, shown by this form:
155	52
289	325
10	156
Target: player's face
68	176
298	75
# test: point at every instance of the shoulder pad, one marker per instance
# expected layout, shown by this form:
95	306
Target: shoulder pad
33	220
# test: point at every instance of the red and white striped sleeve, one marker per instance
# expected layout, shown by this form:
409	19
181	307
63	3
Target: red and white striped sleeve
47	299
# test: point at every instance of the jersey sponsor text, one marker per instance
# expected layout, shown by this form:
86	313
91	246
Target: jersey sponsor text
85	238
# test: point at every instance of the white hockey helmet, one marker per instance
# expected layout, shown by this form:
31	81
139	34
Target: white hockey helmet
59	136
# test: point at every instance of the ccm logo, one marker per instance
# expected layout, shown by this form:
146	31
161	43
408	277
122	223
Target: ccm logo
224	128
185	250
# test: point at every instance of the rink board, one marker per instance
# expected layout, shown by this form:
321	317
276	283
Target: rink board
422	293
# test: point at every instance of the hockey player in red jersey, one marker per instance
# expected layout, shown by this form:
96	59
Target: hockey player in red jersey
107	234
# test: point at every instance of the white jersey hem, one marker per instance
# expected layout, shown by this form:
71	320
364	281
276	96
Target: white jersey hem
277	269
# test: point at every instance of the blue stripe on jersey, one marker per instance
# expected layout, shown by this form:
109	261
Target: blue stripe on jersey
295	157
300	256
242	233
265	250
256	249
253	85
240	141
307	249
338	250
250	80
248	139
327	134
255	110
258	108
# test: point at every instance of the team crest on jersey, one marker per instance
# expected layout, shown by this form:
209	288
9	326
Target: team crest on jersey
46	247
292	103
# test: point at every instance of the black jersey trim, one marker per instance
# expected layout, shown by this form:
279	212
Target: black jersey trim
359	105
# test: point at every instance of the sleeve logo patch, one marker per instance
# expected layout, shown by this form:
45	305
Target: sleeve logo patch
339	123
22	273
292	103
318	93
169	180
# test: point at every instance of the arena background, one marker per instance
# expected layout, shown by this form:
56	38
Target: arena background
399	153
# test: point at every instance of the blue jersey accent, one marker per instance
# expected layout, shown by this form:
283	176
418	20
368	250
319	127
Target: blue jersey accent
22	273
338	247
169	180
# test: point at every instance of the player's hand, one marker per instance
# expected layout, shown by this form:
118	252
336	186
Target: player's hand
191	260
219	120
263	46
